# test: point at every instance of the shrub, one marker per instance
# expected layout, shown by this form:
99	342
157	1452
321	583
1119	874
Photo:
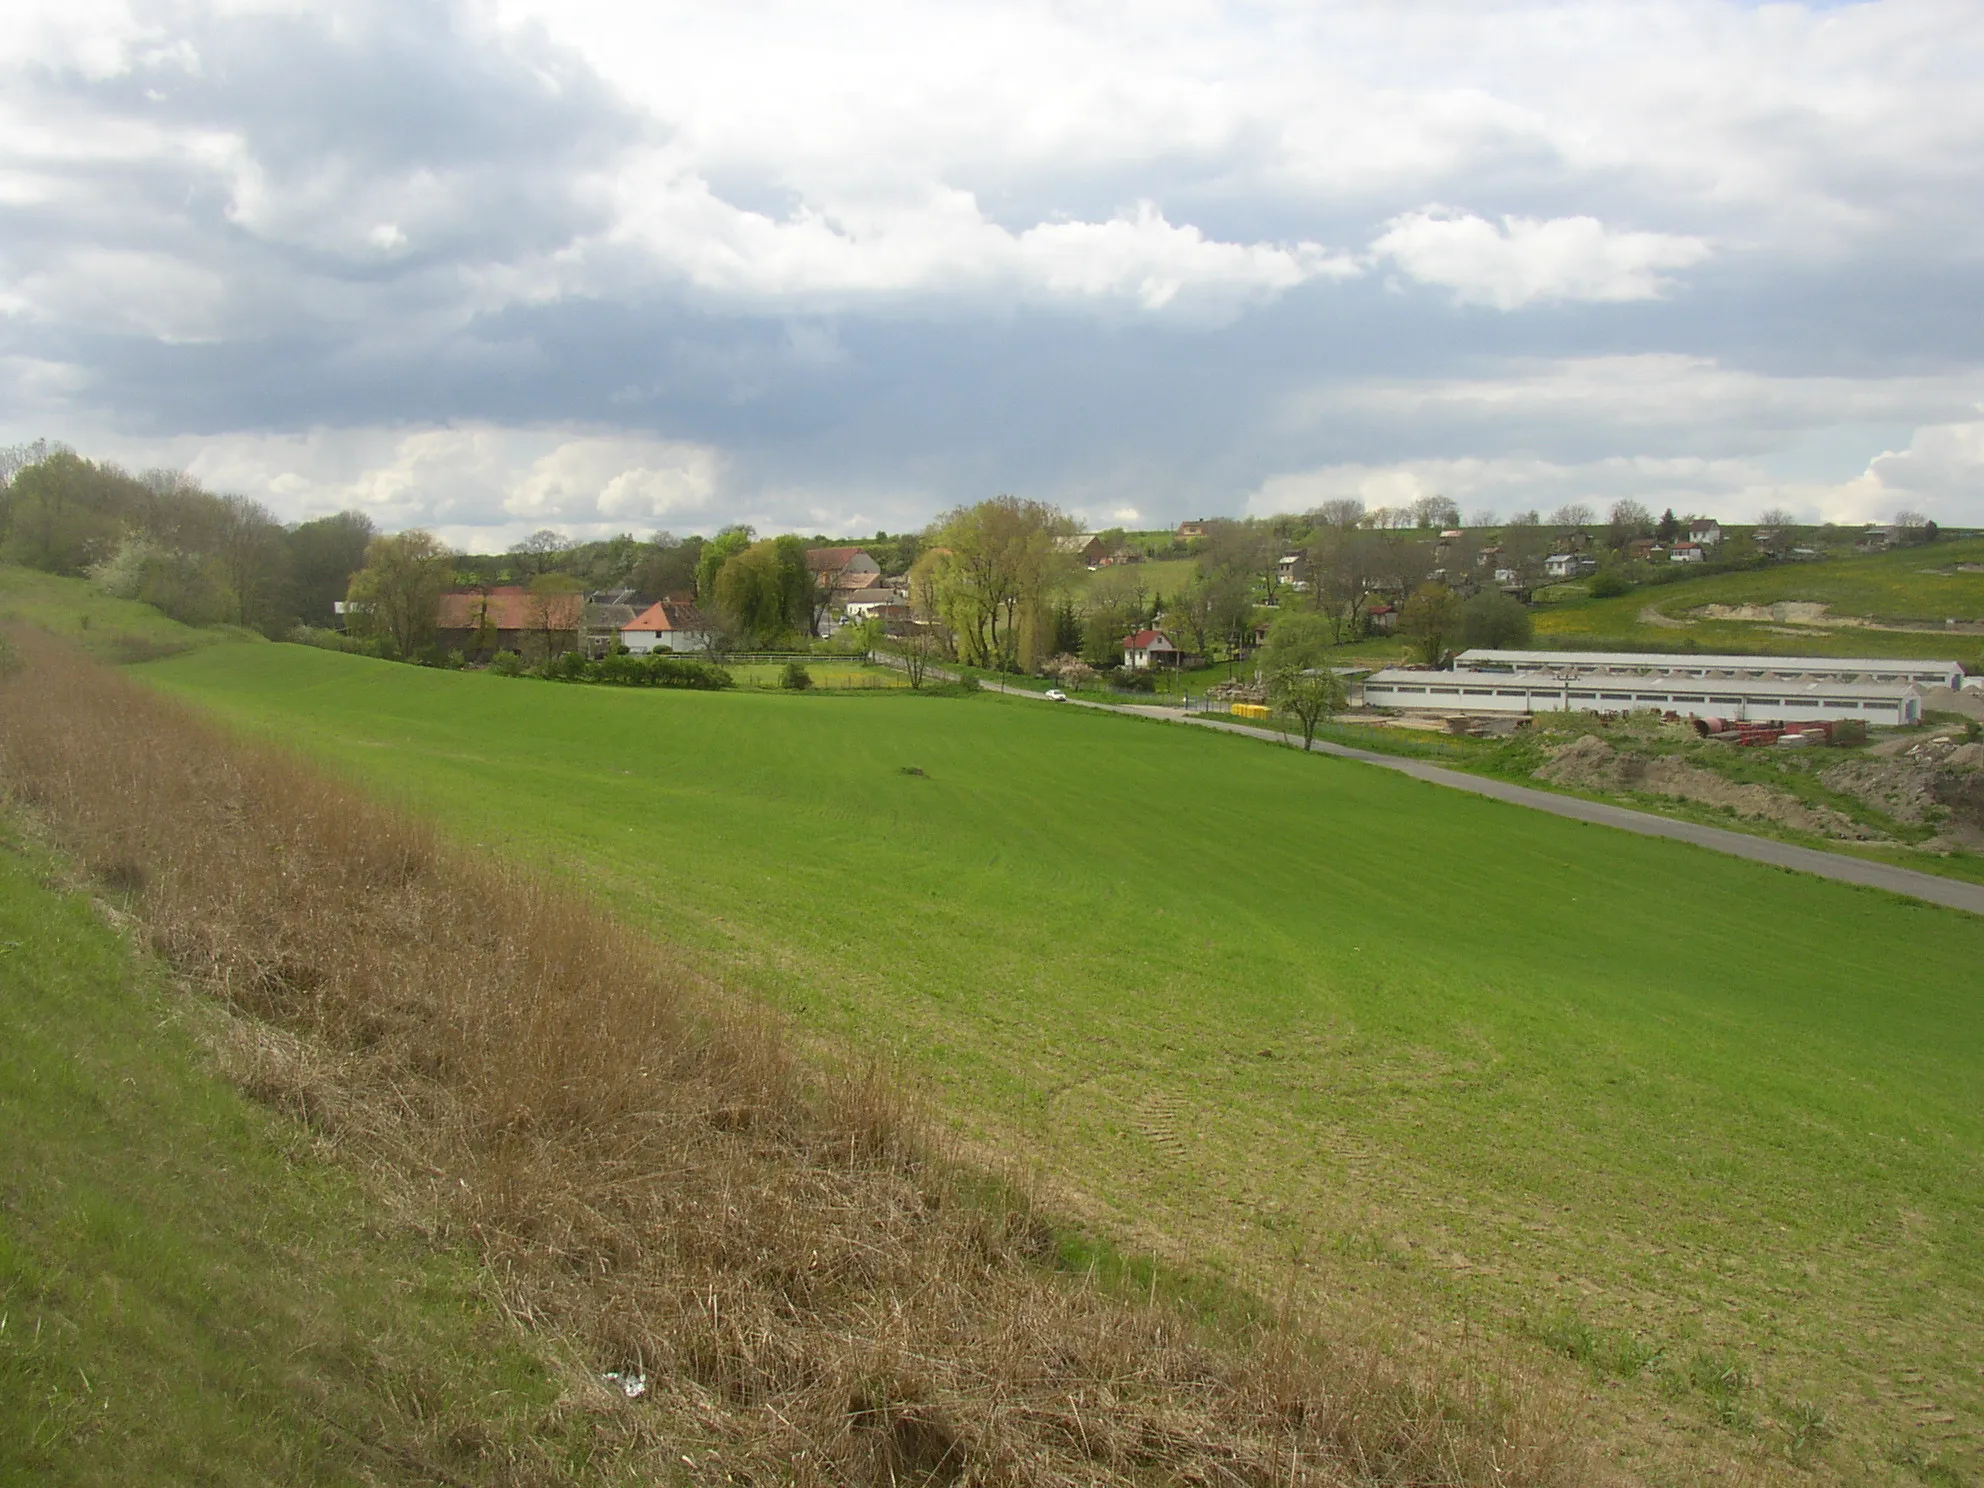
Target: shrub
1494	619
507	664
1849	733
1609	584
1136	679
795	677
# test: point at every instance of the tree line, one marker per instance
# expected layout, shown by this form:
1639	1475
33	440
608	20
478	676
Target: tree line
162	538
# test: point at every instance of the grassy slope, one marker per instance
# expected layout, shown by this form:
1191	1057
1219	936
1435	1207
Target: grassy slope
185	1296
1893	587
1465	1054
116	629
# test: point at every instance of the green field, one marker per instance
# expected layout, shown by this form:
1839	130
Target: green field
1711	1126
188	1293
1908	588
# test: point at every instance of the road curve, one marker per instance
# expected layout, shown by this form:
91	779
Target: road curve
1950	892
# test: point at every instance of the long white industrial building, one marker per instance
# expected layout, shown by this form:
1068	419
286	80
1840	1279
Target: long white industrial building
1743	699
1866	669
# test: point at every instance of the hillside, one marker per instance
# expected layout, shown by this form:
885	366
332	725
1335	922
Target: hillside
1707	1126
1883	604
113	629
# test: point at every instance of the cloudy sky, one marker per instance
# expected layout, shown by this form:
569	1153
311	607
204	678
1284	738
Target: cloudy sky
626	266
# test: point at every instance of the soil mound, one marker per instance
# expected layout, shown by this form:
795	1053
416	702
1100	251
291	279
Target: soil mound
1589	763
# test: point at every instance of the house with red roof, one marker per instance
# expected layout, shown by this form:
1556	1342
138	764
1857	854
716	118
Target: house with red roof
668	625
1149	648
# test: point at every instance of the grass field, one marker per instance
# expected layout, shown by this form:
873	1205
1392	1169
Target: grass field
186	1293
1711	1128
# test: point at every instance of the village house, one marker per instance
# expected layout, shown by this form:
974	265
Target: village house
507	617
843	565
1644	549
1569	565
668	625
1150	648
1188	530
1706	531
1687	552
1085	548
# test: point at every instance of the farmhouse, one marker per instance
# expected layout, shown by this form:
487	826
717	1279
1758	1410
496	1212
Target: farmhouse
1706	531
842	563
1085	548
507	617
1739	698
1149	648
1192	529
670	625
1687	552
1872	669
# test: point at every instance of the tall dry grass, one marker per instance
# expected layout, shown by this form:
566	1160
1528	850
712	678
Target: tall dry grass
649	1174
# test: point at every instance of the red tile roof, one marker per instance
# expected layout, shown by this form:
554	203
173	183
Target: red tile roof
666	616
827	560
1144	640
509	607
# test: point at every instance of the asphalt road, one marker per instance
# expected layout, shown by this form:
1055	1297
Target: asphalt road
1951	892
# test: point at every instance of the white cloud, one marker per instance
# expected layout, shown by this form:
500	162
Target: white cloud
1525	260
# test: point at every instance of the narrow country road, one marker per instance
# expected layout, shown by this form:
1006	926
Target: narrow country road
1953	893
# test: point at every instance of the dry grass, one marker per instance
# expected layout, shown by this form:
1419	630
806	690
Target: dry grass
814	1292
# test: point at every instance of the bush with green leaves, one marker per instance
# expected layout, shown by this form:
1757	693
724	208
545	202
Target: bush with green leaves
795	677
1496	621
506	664
1609	583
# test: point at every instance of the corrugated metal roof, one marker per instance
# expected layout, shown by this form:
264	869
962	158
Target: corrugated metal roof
1663	662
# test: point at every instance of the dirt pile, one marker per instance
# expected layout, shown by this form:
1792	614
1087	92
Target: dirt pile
1938	781
1589	763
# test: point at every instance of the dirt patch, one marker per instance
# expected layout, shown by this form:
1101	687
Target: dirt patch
1589	763
1650	615
1784	612
1937	781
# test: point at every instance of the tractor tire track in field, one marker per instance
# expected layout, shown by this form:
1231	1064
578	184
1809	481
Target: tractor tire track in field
1157	1114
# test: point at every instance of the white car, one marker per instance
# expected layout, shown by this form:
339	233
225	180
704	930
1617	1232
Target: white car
1054	694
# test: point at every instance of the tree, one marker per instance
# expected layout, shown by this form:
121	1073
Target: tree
1435	512
1669	526
396	595
1484	516
1298	641
537	553
1779	517
557	613
918	650
998	562
323	555
1339	511
1307	696
1626	521
1495	620
1573	514
65	513
666	566
1343	565
718	551
1431	620
753	592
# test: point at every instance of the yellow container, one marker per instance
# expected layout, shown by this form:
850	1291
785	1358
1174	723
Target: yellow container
1250	710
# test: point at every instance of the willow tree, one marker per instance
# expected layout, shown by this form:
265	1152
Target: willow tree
991	573
397	595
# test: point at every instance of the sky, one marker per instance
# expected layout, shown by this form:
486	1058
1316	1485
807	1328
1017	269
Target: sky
488	268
